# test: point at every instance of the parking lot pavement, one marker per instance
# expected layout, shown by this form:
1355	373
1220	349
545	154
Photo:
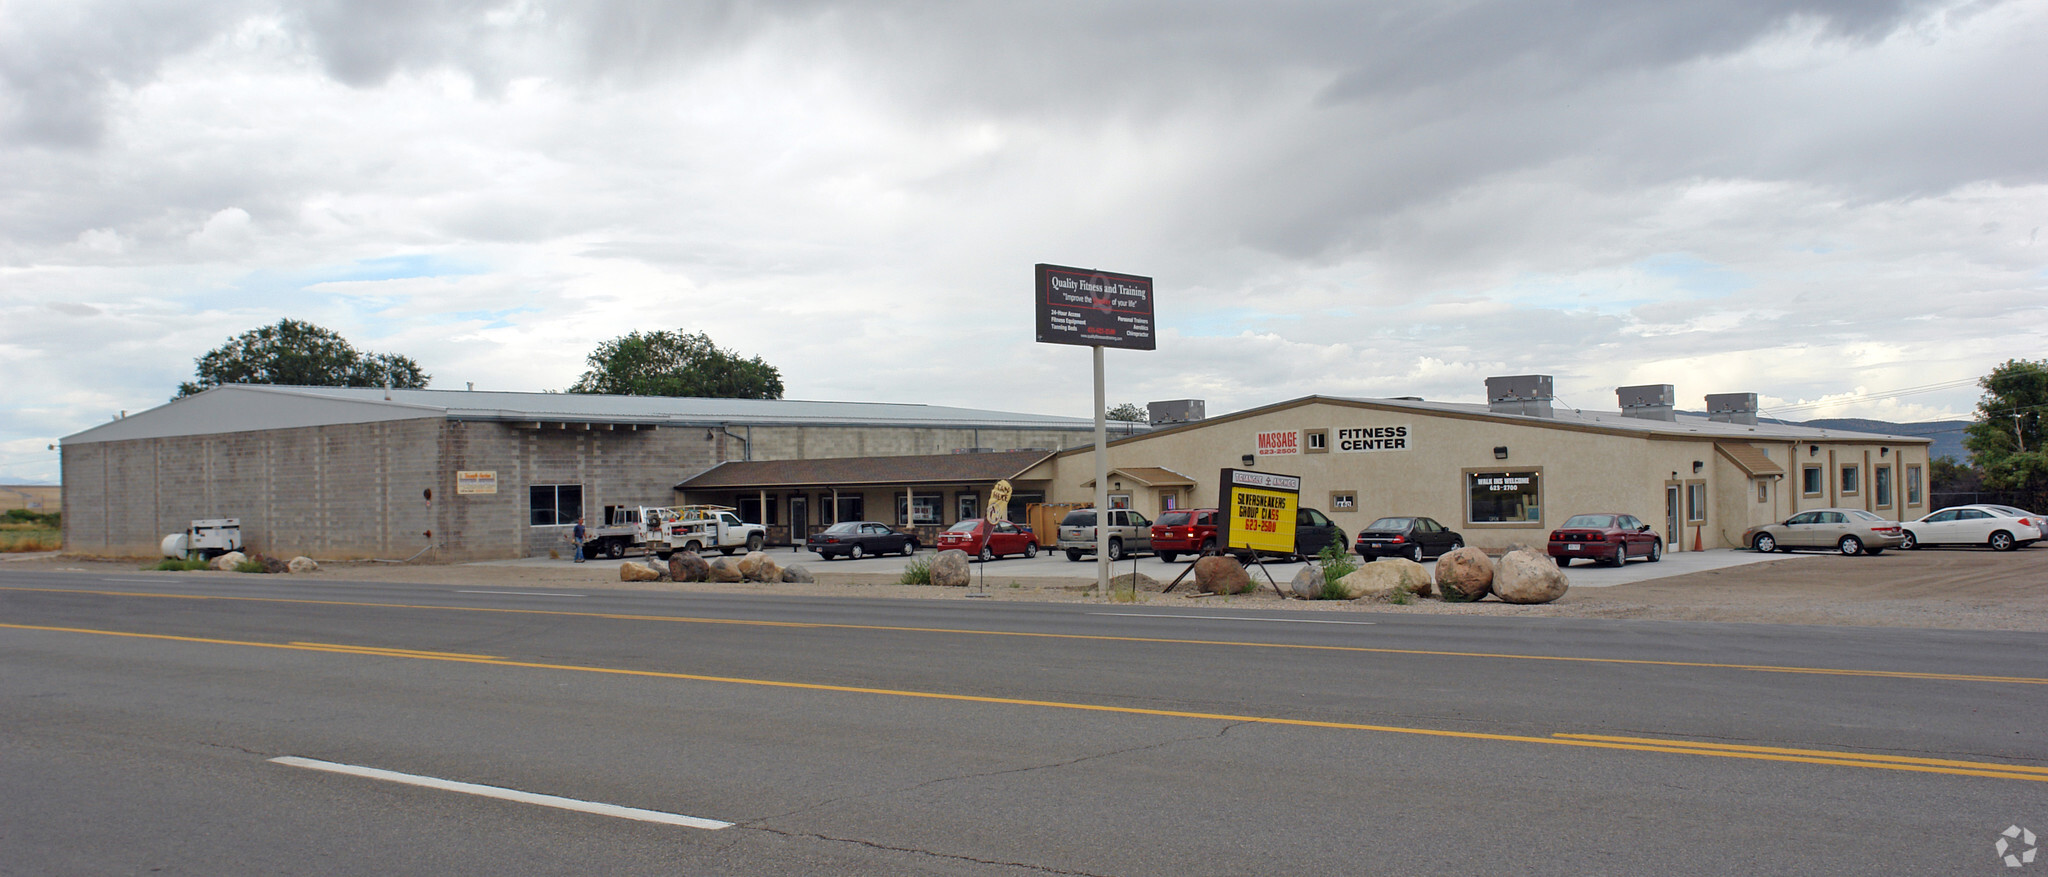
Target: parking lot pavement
1052	564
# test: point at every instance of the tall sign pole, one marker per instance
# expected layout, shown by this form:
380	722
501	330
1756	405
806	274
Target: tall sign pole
1095	309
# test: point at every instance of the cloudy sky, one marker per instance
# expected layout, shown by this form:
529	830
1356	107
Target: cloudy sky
1825	203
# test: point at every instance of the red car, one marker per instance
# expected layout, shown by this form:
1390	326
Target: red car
1183	531
988	540
1607	538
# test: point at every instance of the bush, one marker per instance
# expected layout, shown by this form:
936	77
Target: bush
172	564
917	572
51	520
1337	563
251	565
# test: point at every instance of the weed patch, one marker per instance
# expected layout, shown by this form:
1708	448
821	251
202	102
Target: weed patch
172	564
917	572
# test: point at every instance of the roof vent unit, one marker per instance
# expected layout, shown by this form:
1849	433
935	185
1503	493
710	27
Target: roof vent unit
1649	401
1732	408
1519	394
1174	411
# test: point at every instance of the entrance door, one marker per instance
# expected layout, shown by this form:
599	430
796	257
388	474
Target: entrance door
799	518
1672	537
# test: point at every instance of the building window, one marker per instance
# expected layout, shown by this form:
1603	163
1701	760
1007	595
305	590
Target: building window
1763	490
1343	500
966	506
1810	480
550	505
1852	479
1119	500
1695	503
928	505
1315	441
1881	481
1912	485
751	511
1502	497
851	507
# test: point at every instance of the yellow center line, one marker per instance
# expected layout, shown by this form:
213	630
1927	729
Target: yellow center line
683	619
1987	769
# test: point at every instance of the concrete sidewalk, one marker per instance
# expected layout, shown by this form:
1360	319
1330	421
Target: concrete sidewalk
1052	565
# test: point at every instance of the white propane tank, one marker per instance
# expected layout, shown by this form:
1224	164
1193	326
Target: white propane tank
175	546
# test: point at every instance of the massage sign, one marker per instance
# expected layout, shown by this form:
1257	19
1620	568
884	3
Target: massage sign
1259	510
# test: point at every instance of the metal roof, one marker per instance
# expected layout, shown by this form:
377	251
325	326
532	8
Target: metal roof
858	471
249	407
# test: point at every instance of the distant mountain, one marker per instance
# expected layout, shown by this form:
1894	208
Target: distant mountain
1947	434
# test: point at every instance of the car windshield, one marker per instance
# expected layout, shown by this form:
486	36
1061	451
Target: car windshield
1862	515
844	527
1175	519
1389	524
1079	519
1591	522
967	526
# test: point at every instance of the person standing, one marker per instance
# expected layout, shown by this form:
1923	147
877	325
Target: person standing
579	534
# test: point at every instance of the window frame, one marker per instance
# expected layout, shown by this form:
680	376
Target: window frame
1695	502
1849	477
1881	486
567	515
1813	479
1913	495
934	502
1315	441
1343	500
1531	521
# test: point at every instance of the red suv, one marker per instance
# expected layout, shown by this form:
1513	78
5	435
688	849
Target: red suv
1183	531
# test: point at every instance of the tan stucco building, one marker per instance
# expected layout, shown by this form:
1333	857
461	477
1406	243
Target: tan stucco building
1510	471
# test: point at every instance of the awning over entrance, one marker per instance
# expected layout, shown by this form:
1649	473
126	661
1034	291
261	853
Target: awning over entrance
864	471
1749	458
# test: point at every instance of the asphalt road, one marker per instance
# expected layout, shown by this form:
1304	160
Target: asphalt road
143	714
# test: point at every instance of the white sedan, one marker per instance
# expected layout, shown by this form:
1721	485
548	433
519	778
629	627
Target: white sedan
1996	526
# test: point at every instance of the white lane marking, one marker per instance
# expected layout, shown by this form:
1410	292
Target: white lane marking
504	794
522	593
1229	618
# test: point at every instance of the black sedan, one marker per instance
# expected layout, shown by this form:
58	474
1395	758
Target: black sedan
1410	537
858	539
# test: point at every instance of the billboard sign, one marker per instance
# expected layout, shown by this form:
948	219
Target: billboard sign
469	481
1259	509
1093	308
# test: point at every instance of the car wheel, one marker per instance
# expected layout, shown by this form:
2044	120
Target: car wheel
909	547
1455	545
1764	543
1912	542
985	555
1167	556
1209	545
1073	555
1415	553
1030	550
1850	546
1620	555
755	542
694	547
2002	541
1656	550
614	549
855	552
1116	550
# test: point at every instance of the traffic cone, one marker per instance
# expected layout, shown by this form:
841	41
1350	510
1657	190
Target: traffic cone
1695	540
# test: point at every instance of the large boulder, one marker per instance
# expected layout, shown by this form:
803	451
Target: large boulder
1528	576
227	562
1221	574
757	567
634	571
1307	583
949	568
1464	575
797	574
302	564
723	570
687	566
1382	579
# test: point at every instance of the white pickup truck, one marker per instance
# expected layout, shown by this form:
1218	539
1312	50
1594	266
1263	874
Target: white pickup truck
665	531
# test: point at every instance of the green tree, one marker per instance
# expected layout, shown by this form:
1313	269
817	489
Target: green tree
300	354
665	363
1945	475
2007	441
1127	411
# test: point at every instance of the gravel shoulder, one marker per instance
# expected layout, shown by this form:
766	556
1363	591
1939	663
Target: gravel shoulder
1965	589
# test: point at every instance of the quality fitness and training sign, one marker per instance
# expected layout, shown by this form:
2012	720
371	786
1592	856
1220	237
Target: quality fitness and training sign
1094	308
1258	510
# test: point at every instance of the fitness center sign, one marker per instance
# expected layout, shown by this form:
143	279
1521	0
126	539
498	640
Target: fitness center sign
1094	308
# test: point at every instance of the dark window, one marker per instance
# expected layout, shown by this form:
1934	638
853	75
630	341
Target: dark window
851	508
1500	497
550	505
1883	485
1810	481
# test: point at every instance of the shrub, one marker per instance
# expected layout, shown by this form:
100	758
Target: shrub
30	540
1337	563
172	564
917	572
50	520
251	565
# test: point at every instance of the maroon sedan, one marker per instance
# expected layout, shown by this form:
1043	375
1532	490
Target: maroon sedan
988	540
1606	538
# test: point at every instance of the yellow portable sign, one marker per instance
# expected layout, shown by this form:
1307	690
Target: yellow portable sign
1259	509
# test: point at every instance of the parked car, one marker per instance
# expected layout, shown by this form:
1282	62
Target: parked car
1128	532
1413	537
988	540
857	538
1850	531
2003	528
1183	531
1607	538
